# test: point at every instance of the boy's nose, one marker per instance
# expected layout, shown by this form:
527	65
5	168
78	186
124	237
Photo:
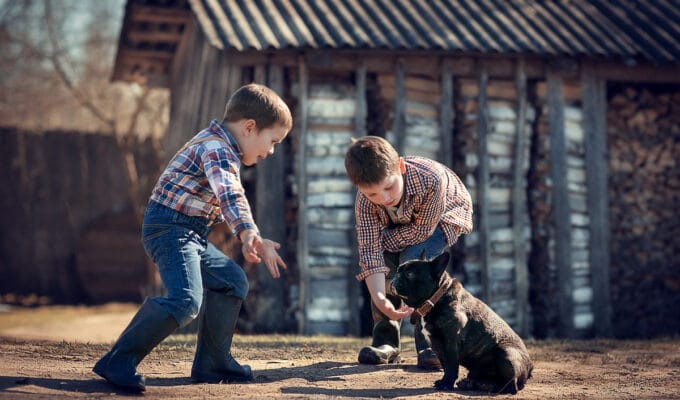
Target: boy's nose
385	197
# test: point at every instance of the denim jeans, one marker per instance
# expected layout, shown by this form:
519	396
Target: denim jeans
187	262
432	246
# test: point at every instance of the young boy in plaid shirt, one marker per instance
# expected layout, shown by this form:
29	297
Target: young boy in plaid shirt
405	207
200	187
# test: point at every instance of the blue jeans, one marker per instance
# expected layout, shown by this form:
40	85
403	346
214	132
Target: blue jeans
432	246
187	262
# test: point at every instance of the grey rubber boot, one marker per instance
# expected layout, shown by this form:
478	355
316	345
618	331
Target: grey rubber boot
427	358
213	362
385	348
147	329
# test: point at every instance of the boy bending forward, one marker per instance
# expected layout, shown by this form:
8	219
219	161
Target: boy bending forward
405	207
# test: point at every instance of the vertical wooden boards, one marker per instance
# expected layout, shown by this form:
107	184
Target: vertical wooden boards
270	216
399	124
594	121
483	181
354	287
303	108
519	211
446	115
561	208
330	122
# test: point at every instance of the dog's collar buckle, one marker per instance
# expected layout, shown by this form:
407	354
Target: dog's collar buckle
427	306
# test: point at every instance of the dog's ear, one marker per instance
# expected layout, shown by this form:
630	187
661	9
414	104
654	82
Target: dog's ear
439	264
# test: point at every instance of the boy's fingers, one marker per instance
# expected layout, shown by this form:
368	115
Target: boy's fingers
281	263
273	271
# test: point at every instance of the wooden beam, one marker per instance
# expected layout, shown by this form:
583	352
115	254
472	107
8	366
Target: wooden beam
354	287
560	198
399	121
519	213
160	55
302	250
154	36
611	71
271	217
446	115
165	15
594	125
483	181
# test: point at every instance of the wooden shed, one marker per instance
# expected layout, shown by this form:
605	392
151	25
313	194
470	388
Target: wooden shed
548	110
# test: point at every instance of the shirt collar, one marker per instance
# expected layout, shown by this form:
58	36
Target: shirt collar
217	128
410	184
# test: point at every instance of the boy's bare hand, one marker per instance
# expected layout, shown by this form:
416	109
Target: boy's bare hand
267	250
387	308
251	241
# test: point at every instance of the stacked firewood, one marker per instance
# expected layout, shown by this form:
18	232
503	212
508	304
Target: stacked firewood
644	143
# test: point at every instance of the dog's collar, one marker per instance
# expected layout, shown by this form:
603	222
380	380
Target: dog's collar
427	306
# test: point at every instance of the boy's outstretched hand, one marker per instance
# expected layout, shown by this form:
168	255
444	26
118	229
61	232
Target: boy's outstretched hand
267	250
251	241
376	287
255	250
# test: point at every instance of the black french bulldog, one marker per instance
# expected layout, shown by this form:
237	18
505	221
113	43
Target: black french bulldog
462	329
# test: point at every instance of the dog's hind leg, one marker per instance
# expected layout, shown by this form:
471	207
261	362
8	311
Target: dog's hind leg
511	370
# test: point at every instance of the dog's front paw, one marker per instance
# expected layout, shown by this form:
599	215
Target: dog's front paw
444	384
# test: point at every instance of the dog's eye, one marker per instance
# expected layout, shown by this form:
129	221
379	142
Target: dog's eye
410	275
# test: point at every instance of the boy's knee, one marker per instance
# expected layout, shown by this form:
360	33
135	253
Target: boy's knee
240	284
188	310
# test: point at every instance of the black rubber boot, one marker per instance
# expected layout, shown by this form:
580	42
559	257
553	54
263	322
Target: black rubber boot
213	362
385	347
147	329
427	358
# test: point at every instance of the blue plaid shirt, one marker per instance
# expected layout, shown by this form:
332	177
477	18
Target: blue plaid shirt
203	179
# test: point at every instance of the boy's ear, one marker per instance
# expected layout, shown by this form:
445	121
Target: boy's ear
250	126
439	264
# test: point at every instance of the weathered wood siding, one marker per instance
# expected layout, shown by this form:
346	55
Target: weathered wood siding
64	191
327	199
565	237
496	148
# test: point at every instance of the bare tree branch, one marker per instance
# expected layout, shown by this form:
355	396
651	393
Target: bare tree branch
63	76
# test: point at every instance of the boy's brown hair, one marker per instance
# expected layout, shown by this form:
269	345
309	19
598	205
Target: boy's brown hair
259	103
370	159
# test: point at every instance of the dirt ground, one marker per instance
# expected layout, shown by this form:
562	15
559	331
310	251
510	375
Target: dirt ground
48	353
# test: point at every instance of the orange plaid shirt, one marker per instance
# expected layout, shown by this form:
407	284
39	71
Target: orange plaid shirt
433	196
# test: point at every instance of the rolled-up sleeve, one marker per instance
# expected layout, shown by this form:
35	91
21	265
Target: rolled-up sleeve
369	226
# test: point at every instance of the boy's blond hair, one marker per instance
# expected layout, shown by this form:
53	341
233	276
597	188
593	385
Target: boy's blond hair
259	103
369	160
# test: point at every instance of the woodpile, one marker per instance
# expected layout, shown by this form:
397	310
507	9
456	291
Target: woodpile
644	143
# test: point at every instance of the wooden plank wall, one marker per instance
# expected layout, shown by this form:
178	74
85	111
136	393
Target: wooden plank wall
417	99
570	247
495	128
327	114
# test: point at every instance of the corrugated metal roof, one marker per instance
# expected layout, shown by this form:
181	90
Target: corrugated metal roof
629	29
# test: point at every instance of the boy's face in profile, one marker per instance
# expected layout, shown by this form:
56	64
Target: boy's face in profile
258	144
389	191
